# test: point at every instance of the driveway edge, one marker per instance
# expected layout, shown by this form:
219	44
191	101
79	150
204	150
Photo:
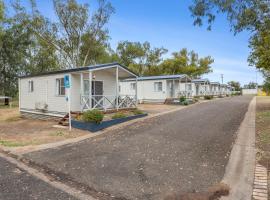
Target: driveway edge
239	174
49	180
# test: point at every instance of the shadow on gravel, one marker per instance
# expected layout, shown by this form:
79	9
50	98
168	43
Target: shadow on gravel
213	193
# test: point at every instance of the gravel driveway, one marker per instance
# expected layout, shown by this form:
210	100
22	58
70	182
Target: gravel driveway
182	151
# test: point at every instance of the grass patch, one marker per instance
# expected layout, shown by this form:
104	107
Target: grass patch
264	137
7	143
14	104
119	115
58	133
137	112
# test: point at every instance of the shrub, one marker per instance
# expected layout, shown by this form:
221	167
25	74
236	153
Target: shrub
137	112
182	99
195	99
93	116
119	115
184	103
208	97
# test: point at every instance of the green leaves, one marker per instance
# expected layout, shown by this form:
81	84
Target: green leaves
184	62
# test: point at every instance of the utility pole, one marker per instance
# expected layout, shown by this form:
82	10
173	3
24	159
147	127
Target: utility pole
222	78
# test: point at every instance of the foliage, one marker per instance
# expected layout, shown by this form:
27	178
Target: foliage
208	97
182	99
119	115
140	57
251	15
266	86
242	15
260	49
250	85
93	116
185	103
184	62
76	34
235	84
137	112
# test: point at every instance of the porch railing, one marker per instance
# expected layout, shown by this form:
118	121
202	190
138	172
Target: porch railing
187	93
106	102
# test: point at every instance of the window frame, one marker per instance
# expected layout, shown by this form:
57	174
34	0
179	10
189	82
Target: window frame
132	86
30	86
159	86
59	87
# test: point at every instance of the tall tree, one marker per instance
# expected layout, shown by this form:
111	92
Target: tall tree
140	57
250	85
15	40
251	15
184	62
77	36
235	84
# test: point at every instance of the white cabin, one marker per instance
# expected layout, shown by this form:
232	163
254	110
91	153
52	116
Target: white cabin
158	88
91	87
202	87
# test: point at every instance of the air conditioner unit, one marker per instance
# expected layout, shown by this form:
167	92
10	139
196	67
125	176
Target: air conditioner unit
42	106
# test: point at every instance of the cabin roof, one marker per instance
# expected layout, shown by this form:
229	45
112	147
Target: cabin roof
78	69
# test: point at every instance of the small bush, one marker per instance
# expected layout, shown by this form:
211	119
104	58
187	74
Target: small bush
119	115
185	103
208	97
182	99
137	112
195	99
93	116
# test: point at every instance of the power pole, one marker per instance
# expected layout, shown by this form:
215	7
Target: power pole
222	78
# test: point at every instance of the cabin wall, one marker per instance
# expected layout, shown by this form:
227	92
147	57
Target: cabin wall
44	92
146	89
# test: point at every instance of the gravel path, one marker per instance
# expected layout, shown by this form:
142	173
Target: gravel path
182	151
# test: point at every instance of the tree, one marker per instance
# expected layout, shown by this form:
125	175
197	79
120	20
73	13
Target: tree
184	62
242	15
76	36
250	85
235	84
1	11
140	57
251	15
266	85
15	41
260	49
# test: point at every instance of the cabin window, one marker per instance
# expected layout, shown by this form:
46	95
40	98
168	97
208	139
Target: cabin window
86	88
189	87
30	86
132	86
158	86
60	87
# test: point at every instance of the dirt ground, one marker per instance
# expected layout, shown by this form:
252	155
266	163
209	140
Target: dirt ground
15	131
156	108
263	130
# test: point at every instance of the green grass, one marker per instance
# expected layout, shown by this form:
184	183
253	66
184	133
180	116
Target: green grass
14	105
263	116
137	112
264	137
7	143
119	115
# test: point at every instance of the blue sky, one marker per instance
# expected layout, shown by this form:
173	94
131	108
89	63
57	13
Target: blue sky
169	24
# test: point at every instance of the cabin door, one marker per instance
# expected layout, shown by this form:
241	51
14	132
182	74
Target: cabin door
97	92
197	90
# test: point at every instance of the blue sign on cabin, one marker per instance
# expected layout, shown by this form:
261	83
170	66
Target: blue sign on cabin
66	81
